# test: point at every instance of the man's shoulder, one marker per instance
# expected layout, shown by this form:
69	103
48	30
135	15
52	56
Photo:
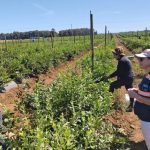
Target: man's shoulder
125	59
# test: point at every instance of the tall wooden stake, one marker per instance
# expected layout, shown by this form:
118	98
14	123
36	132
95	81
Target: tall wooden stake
5	43
146	34
92	41
105	36
108	36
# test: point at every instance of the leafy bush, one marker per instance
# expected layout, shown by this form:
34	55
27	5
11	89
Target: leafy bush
70	114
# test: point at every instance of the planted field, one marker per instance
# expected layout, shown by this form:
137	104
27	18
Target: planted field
73	111
69	76
135	43
70	113
24	59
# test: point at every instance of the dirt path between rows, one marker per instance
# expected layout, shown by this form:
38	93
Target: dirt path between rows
9	99
127	120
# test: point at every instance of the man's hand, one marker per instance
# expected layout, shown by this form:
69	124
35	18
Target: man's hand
133	93
104	79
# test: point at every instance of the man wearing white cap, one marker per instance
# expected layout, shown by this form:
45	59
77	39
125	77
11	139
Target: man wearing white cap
142	96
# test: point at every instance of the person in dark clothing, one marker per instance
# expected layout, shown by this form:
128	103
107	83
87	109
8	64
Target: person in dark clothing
124	73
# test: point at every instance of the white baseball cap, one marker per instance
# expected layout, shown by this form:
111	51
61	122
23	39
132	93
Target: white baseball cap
144	54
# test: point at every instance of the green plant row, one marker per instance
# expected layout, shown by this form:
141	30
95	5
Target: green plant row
27	59
70	114
135	44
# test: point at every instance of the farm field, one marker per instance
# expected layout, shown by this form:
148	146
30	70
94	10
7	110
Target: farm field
70	78
70	113
73	111
134	42
25	59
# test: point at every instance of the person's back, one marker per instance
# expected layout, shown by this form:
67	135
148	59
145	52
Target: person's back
125	69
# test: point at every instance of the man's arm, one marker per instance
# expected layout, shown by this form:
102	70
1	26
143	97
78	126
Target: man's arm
120	69
114	74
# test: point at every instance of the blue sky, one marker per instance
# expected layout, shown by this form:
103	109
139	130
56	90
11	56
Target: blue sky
118	15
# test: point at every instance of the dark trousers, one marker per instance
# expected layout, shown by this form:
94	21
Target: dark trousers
118	83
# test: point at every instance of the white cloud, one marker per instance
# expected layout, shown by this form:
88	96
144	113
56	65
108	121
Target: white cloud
44	10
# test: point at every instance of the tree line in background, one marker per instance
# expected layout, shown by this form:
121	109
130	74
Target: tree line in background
145	32
45	34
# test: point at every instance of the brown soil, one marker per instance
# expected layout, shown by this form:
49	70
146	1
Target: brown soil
8	99
124	120
127	120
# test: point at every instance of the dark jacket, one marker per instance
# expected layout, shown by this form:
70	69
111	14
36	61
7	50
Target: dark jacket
124	69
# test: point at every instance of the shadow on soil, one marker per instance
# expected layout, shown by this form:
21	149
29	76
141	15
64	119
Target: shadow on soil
130	145
138	146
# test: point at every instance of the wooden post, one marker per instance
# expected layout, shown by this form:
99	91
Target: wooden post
74	38
92	42
146	34
105	36
108	36
132	34
5	42
137	34
71	37
61	39
38	37
12	40
84	39
18	39
52	42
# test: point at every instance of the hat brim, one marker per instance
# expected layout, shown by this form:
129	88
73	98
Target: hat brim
140	55
117	54
114	52
122	54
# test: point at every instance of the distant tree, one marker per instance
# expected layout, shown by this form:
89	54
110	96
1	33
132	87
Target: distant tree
28	35
52	32
75	32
